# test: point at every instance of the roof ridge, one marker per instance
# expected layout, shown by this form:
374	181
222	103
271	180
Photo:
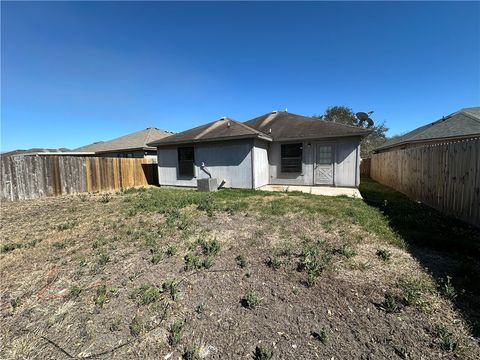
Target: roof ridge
249	127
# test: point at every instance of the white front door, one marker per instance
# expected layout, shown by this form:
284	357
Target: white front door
324	160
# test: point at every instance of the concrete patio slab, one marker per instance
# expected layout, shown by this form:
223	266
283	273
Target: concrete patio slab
315	190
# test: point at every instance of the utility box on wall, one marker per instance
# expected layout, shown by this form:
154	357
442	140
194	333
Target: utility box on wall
207	185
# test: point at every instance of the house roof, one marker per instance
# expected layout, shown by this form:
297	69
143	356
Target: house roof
134	141
35	151
461	124
222	129
282	125
271	126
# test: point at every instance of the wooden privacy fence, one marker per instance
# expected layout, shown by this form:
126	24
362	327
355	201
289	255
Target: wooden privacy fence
365	167
29	177
443	176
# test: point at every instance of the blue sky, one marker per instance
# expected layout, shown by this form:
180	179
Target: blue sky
73	73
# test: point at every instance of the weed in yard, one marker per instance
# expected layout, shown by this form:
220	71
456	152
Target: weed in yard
115	325
346	250
99	243
210	248
191	353
248	274
200	309
250	300
208	205
171	287
103	259
321	335
136	327
171	250
156	258
384	254
414	291
313	262
10	247
192	262
445	339
100	296
448	289
105	198
263	353
362	266
207	263
391	304
15	303
175	332
241	261
82	197
66	225
59	245
275	262
74	291
146	294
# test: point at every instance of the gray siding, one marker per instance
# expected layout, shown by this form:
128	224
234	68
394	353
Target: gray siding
346	167
260	163
230	161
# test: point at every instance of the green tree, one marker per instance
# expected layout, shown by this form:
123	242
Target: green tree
345	115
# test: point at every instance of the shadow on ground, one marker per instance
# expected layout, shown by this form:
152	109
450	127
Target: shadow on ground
446	246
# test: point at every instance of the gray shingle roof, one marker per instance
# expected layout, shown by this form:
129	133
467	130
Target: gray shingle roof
222	129
134	141
271	126
282	125
463	123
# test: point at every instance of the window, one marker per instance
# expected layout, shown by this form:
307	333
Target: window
324	155
291	158
185	161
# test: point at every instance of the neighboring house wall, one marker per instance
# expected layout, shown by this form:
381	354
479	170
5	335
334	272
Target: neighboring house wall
230	161
346	170
261	172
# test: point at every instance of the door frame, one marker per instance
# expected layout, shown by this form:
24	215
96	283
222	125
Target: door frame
333	144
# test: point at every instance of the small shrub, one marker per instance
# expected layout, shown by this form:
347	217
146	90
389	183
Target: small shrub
250	300
74	291
175	332
136	327
171	250
263	353
321	335
241	261
384	254
445	339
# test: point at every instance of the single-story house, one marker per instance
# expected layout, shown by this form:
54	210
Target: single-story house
278	148
461	125
132	145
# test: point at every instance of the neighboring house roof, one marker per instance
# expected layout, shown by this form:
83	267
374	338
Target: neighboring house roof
282	125
222	129
271	126
134	141
461	124
35	151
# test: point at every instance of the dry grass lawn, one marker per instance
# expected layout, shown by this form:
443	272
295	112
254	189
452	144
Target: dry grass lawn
163	273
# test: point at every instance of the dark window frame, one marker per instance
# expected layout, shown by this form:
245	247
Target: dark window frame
186	161
291	158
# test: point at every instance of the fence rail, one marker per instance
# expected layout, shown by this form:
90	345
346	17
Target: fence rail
29	177
443	176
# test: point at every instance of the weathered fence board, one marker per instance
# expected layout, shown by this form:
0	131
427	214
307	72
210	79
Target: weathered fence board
443	176
29	177
365	167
